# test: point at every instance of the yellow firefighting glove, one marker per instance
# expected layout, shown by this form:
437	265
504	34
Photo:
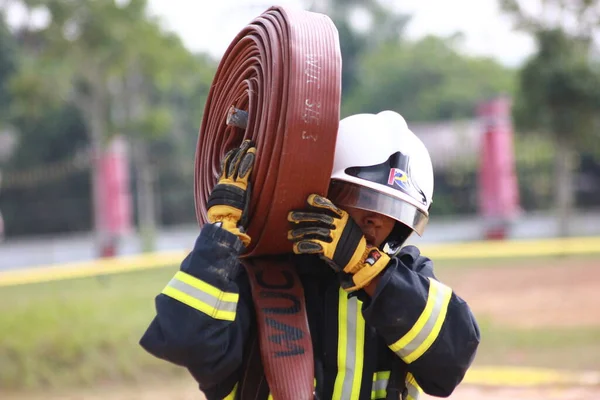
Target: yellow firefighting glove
331	233
229	200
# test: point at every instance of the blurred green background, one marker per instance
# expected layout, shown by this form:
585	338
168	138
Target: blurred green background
74	74
95	69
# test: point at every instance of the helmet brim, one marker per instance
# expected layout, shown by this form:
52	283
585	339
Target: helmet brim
346	194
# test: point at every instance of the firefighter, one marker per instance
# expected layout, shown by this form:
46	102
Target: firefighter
382	325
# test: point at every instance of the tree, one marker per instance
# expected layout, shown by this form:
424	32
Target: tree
425	80
559	86
115	64
382	25
7	66
46	186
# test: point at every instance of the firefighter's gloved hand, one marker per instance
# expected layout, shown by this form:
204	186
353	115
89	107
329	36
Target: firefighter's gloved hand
328	231
229	200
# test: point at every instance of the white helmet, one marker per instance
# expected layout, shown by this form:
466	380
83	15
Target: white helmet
380	165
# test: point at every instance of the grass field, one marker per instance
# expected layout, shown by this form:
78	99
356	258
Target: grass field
533	312
84	332
78	332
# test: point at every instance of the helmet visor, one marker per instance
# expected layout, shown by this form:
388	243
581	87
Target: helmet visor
345	194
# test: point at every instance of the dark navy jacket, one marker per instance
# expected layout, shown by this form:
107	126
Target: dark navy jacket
205	322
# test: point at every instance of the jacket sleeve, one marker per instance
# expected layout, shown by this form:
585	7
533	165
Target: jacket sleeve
424	323
202	316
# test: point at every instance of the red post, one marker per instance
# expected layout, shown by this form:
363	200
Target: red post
498	188
115	205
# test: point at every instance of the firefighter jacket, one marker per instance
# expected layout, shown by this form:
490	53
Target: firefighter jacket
414	327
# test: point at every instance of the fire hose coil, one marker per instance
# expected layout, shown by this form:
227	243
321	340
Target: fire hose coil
279	84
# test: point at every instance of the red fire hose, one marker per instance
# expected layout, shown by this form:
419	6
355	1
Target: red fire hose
284	69
279	84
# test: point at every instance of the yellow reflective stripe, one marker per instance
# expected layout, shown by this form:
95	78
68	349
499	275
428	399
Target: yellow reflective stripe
350	354
341	350
231	396
206	288
359	350
202	296
427	328
412	388
380	382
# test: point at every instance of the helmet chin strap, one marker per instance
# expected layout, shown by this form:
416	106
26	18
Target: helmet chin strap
393	243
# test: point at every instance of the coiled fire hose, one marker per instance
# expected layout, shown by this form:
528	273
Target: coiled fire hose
279	84
284	71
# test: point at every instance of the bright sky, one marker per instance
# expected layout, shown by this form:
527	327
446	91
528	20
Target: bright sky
209	25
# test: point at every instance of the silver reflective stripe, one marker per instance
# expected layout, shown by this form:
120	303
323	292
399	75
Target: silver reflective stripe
380	382
202	296
380	385
351	339
420	338
350	358
412	345
412	388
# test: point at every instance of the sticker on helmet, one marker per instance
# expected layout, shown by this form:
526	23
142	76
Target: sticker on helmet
398	178
394	172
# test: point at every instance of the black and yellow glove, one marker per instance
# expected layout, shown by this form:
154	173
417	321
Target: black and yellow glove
331	233
229	200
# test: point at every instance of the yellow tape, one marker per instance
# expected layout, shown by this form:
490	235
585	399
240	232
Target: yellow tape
446	251
91	268
512	248
527	377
